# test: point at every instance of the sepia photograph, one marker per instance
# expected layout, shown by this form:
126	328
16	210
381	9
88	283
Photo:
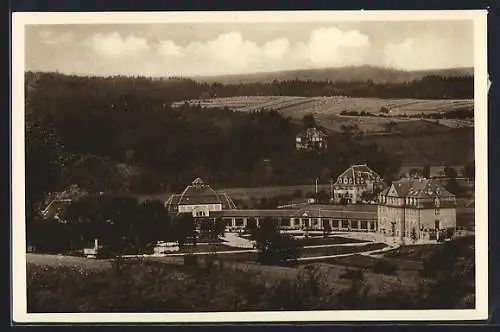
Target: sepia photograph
257	166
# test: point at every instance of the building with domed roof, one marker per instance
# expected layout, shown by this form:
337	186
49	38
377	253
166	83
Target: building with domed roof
416	210
200	200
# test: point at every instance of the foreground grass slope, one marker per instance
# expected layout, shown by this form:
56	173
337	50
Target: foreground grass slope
446	281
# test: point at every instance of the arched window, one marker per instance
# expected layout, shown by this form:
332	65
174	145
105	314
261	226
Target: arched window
350	180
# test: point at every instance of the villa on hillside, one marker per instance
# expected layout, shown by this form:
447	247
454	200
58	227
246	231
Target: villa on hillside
311	139
416	210
355	181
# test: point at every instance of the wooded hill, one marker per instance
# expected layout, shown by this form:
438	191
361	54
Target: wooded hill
121	134
343	74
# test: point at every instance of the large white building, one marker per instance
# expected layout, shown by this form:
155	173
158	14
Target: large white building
416	210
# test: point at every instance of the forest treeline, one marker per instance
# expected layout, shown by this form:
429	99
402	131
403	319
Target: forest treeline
121	134
177	88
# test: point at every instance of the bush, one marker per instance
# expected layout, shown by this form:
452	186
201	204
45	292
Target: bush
190	260
385	267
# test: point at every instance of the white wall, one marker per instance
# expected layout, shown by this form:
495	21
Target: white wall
202	207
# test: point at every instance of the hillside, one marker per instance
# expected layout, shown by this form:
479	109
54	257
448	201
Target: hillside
327	110
120	134
346	74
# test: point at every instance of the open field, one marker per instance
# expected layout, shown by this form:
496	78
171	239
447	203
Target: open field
298	106
327	110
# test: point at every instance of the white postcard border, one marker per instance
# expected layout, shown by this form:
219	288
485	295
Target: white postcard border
19	301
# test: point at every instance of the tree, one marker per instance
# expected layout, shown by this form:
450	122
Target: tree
251	227
274	247
450	172
44	159
384	110
308	121
326	228
426	171
470	171
184	229
220	226
453	187
413	235
414	172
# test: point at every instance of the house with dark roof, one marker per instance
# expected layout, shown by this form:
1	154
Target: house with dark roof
311	139
416	210
200	200
55	208
354	181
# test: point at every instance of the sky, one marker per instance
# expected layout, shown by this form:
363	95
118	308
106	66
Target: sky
206	49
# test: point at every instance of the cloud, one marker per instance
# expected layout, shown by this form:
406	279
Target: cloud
427	52
114	45
401	55
48	37
169	48
332	46
232	53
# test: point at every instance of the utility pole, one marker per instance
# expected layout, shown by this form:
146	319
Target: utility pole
331	189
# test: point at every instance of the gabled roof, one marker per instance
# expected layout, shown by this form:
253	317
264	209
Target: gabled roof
360	171
199	193
420	188
54	207
309	132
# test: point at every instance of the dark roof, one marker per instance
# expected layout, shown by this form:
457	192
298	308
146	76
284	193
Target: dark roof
309	132
420	188
360	171
54	207
199	193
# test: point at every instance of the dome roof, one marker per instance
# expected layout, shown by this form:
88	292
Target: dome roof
199	193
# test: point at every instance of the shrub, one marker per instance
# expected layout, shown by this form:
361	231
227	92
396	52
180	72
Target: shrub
190	260
385	267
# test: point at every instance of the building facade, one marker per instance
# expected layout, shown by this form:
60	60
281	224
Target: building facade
354	181
199	200
308	218
311	139
416	210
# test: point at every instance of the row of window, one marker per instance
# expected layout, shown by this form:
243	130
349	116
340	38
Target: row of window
334	223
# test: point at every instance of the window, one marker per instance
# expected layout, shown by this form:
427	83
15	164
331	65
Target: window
350	180
345	224
354	224
239	221
345	180
285	222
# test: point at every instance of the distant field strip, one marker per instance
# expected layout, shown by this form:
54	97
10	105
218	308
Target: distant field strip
297	106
